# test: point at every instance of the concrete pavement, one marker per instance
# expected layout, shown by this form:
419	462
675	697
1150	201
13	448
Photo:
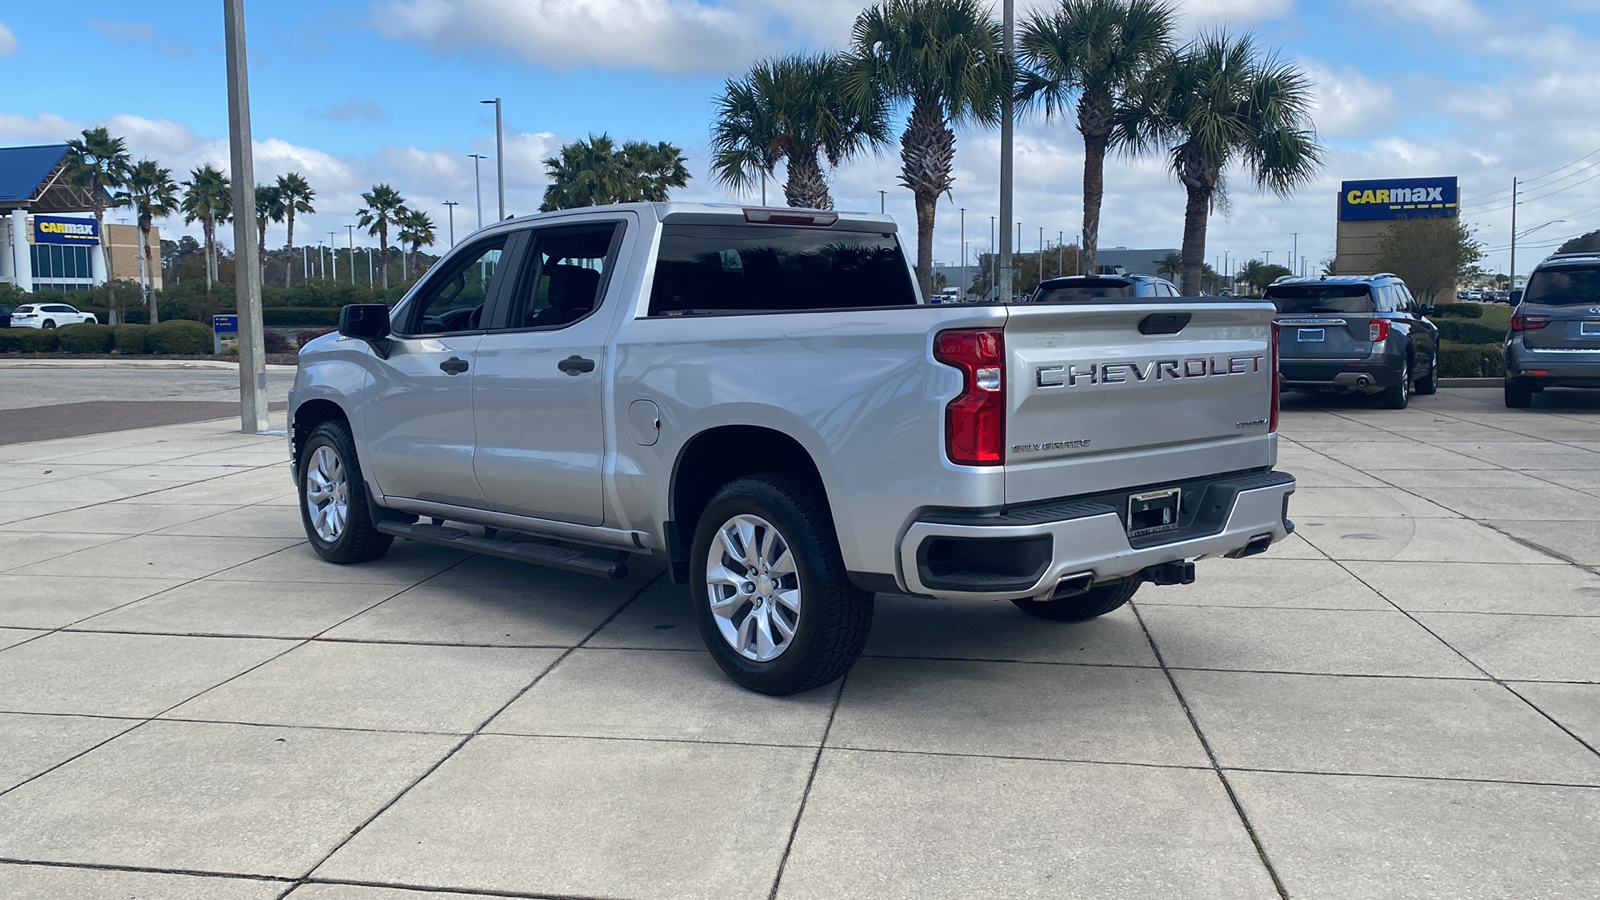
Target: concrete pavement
1403	700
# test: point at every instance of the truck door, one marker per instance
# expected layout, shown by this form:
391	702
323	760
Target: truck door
539	392
419	418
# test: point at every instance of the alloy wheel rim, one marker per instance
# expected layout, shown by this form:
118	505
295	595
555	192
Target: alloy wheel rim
327	494
753	588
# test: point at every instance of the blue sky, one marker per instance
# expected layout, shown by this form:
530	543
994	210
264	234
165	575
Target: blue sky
351	93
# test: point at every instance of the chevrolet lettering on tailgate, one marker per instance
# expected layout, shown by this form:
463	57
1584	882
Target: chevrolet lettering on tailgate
1074	374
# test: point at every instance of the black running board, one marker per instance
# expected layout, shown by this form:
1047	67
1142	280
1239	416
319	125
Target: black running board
567	559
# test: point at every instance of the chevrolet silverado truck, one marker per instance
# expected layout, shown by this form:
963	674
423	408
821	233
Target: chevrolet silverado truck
762	400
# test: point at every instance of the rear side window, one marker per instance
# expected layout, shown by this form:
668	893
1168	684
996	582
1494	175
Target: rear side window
1303	299
1564	286
758	268
1086	290
23	309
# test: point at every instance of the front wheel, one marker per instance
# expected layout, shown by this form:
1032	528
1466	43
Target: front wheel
333	499
1095	602
772	598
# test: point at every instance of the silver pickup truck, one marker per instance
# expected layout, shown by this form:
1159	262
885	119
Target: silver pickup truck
761	399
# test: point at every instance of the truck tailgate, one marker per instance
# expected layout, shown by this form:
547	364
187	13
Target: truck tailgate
1127	394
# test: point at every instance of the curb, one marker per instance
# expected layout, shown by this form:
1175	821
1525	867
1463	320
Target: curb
1471	382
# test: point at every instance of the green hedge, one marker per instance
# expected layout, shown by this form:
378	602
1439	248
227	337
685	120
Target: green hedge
29	340
1459	310
299	315
1466	332
178	337
86	338
1466	360
132	339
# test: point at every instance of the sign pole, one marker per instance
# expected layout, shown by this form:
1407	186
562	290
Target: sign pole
247	279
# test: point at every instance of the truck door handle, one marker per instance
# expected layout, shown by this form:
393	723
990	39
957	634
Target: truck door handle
453	366
574	365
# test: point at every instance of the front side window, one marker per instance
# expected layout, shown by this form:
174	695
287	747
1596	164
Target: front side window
766	268
1564	286
1309	299
566	275
452	300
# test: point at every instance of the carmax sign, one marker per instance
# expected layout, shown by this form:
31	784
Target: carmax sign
1399	198
59	230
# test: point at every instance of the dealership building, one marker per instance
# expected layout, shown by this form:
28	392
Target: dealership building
1368	209
49	239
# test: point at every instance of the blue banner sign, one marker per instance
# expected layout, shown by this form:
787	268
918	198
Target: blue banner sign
225	324
62	230
1399	198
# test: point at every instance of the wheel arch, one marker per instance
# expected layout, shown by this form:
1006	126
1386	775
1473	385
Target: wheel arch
310	414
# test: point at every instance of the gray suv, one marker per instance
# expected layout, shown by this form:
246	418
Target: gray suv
1359	333
1084	288
1555	331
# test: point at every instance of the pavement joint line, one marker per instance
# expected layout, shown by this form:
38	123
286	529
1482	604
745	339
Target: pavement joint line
154	490
463	892
805	795
1345	609
152	870
1429	778
1211	755
467	738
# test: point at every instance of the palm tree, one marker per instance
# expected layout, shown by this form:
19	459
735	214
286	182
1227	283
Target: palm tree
944	58
385	209
1216	102
1093	52
296	196
270	208
1171	265
792	109
151	192
416	229
209	201
594	173
99	162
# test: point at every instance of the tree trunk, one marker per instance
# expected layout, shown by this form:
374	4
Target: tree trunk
261	250
1194	237
150	270
383	242
288	268
806	188
927	156
113	311
210	229
1094	189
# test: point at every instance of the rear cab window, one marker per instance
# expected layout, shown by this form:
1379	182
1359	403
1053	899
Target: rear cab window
1564	286
1085	291
1316	299
731	267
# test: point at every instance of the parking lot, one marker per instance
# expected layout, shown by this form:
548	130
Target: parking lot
1402	700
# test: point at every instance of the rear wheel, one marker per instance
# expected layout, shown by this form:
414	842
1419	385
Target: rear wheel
773	601
48	323
1096	602
1430	385
333	499
1518	396
1398	396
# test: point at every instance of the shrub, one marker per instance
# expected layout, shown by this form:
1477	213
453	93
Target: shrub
87	338
1459	310
306	337
131	338
1461	331
28	340
276	342
299	315
1467	360
179	337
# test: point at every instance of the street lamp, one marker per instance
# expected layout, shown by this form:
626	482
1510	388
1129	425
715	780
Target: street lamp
451	205
322	264
334	252
883	199
994	261
352	230
477	184
499	152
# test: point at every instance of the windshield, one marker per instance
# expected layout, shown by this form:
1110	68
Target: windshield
1300	299
1564	286
1084	289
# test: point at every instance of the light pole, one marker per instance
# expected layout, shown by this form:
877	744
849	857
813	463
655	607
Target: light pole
333	251
1266	257
352	230
883	201
499	153
994	261
1061	252
963	252
1007	143
1293	254
451	205
477	184
322	264
247	279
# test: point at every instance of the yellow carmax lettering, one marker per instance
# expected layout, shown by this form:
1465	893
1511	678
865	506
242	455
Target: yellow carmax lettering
1383	197
1368	197
1353	198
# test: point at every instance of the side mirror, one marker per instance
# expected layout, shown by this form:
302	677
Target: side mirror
1427	309
367	322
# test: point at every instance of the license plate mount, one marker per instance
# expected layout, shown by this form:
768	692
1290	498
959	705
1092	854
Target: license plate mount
1589	329
1311	335
1154	511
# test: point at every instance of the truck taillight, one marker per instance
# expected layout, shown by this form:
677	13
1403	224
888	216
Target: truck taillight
1277	379
975	422
1524	322
1379	330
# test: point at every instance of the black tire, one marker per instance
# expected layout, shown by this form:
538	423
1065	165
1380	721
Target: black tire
48	323
1429	386
358	541
1518	396
1096	602
1398	396
835	615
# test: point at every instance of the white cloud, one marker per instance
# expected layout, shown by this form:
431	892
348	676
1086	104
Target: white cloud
8	41
1346	102
120	32
1233	12
1444	16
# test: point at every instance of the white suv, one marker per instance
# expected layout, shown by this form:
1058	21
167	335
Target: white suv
49	315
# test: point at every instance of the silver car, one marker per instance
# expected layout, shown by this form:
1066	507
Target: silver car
1555	332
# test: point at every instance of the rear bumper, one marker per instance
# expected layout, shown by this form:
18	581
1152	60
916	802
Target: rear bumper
1573	368
1030	551
1366	376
